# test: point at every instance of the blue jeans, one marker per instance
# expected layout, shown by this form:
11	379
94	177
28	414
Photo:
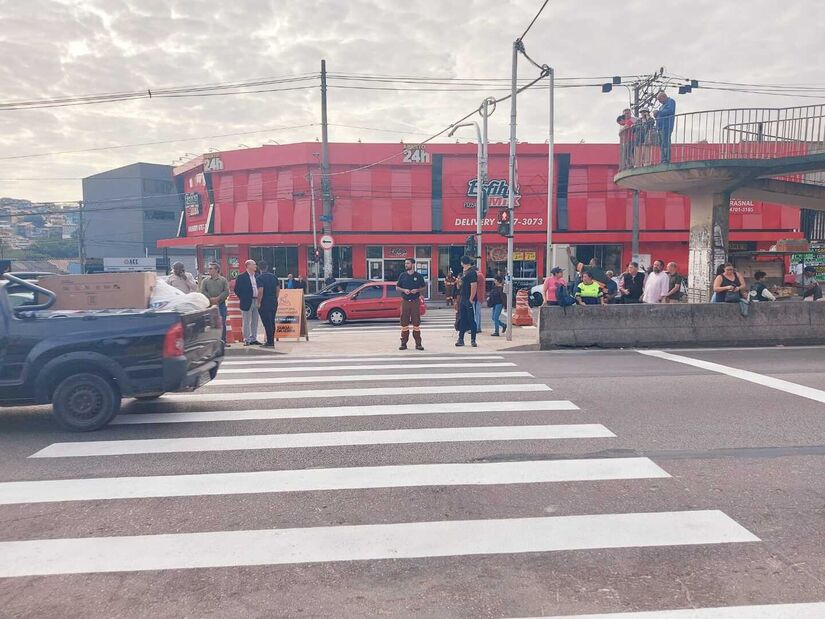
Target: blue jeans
497	324
477	315
664	143
222	312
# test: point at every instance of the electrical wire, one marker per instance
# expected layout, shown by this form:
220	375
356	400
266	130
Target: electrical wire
524	34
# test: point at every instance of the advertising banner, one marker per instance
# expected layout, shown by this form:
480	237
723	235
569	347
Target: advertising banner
289	319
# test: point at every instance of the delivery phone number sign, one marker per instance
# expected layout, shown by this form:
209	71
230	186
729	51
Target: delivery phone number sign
290	321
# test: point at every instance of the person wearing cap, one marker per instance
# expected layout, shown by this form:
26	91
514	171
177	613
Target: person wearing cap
181	280
809	287
551	286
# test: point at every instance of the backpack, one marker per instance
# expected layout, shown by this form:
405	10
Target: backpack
563	296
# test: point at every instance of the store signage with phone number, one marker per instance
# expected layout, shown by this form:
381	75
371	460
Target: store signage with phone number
530	222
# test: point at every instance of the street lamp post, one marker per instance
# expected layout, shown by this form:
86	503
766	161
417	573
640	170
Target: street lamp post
550	184
481	180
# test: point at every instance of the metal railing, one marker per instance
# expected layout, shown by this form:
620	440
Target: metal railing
744	133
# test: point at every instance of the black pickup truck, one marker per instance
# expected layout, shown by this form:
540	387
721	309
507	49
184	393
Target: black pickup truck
84	362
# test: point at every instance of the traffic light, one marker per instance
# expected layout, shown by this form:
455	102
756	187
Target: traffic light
503	222
316	255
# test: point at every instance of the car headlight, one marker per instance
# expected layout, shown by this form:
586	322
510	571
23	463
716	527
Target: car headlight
322	305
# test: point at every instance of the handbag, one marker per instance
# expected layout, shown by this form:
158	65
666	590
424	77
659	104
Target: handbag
732	297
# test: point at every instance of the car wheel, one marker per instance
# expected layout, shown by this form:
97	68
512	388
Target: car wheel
308	313
337	317
85	402
148	398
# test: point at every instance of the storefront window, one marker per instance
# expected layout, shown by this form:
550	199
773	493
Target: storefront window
210	254
524	262
609	257
375	251
282	260
423	251
341	262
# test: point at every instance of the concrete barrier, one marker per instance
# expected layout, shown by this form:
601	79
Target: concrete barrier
681	325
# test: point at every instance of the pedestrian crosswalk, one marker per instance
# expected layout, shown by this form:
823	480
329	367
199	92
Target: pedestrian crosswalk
424	417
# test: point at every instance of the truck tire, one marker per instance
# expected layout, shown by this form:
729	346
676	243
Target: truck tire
85	402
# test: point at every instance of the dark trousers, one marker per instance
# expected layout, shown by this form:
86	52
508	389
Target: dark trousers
664	142
268	319
410	315
466	321
222	312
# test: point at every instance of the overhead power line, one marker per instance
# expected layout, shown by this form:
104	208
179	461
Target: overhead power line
524	34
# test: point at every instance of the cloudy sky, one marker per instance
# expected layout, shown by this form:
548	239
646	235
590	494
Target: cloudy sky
56	48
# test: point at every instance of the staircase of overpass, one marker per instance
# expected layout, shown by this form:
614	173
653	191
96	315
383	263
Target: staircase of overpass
767	154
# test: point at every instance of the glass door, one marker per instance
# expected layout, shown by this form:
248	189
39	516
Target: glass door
375	269
423	267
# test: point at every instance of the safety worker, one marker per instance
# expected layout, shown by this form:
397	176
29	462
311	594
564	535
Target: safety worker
410	285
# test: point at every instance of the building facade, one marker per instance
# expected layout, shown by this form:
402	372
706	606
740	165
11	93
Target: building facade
420	203
128	210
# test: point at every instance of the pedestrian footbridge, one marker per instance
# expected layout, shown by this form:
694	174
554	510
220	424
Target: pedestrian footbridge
766	154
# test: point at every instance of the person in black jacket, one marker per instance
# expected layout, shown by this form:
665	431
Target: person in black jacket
268	302
246	289
496	302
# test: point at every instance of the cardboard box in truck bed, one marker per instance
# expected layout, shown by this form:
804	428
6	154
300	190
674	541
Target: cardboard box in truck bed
100	290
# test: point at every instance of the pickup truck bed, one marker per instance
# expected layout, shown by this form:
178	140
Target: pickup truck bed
84	362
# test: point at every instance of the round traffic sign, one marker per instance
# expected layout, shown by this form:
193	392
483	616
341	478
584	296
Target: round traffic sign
327	242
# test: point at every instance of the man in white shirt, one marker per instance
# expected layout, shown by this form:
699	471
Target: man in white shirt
656	284
181	280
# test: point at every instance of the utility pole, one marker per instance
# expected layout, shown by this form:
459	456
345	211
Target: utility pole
512	192
483	166
81	238
314	228
326	195
634	244
550	178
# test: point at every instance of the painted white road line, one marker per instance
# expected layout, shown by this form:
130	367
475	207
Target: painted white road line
259	482
323	439
361	378
383	366
760	379
232	361
473	408
408	540
200	397
393	331
814	610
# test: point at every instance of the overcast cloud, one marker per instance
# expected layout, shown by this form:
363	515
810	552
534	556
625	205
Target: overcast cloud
71	47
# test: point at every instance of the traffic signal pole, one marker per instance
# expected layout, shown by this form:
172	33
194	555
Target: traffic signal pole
550	182
512	192
326	194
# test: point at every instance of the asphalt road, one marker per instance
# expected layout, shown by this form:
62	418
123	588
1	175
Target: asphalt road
634	483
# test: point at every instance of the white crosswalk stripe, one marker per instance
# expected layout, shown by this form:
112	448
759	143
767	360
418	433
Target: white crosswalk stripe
420	391
323	439
387	358
474	474
356	378
813	610
366	542
205	396
385	366
473	408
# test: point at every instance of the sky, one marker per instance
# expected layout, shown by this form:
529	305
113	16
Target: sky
55	48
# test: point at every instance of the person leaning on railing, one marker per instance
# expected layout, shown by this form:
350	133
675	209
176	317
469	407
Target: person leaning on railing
665	122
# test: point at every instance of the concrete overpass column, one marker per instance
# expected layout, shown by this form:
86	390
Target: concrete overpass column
709	223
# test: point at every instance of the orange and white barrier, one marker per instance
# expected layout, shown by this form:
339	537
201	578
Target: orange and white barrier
234	320
522	316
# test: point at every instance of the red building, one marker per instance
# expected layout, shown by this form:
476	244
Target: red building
258	203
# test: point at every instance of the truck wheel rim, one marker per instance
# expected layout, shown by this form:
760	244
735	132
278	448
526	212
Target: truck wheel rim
85	402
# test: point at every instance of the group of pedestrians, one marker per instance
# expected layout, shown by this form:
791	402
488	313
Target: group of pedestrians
257	292
637	135
596	286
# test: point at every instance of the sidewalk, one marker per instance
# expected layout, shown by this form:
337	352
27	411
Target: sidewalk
383	337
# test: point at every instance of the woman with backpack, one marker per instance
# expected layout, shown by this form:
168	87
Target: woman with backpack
551	286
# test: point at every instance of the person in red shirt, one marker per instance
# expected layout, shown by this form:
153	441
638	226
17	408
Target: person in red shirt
551	285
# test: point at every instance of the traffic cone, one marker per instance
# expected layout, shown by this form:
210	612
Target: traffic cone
234	320
522	316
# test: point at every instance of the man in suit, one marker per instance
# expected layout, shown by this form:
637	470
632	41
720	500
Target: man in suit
247	291
268	302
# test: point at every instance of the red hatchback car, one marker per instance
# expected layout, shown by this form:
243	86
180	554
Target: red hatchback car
372	300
